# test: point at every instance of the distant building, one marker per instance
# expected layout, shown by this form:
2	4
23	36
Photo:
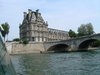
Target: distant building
34	28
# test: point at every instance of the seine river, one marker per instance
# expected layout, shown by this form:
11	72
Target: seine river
74	63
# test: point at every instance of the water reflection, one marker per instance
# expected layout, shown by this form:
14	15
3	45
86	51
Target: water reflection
78	63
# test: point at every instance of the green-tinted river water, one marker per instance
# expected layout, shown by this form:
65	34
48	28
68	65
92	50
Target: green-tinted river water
74	63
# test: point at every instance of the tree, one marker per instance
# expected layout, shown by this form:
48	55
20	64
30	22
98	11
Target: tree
89	29
5	31
72	33
81	30
85	29
25	41
16	39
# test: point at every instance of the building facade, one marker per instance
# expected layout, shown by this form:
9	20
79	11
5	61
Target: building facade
34	28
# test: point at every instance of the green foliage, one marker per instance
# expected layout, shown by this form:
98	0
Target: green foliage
25	41
16	39
72	33
89	29
81	30
96	44
85	29
3	33
6	28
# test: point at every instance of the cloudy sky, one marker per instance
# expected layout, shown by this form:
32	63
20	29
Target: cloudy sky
60	14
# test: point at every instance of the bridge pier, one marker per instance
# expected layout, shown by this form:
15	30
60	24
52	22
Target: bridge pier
72	48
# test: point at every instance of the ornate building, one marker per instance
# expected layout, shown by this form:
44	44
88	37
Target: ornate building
34	28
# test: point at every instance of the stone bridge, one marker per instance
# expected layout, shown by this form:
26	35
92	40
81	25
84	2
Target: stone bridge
82	43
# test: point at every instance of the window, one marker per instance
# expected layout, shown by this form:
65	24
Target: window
33	38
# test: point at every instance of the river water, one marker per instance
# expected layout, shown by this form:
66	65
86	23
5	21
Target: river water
73	63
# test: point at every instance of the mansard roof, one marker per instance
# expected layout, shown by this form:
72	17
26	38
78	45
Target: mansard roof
33	16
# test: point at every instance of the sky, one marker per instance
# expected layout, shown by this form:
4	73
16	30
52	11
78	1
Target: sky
60	14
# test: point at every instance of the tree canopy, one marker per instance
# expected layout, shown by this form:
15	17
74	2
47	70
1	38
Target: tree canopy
16	39
5	30
85	29
72	33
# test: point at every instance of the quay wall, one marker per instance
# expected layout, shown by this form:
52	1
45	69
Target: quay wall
17	48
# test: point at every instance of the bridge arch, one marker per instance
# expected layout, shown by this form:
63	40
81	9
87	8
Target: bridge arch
89	43
59	48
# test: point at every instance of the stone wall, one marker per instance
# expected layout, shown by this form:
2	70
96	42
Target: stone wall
16	48
9	47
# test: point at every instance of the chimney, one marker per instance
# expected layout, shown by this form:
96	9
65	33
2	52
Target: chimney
29	11
37	11
25	14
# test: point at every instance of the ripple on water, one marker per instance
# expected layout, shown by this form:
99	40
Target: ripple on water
78	63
